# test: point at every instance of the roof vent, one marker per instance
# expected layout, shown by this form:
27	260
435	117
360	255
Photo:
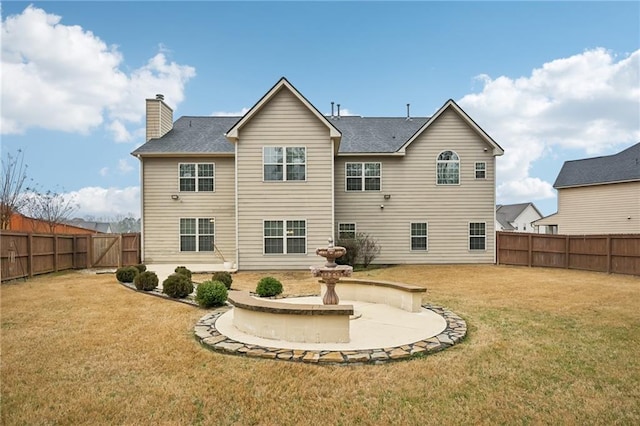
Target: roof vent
332	109
408	114
338	110
160	97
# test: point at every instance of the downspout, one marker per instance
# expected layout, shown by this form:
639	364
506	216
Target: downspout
141	208
235	172
495	235
333	189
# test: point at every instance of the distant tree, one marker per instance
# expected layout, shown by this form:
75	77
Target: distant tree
14	175
122	224
51	207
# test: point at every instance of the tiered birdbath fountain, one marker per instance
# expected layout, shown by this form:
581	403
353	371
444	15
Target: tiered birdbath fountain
331	272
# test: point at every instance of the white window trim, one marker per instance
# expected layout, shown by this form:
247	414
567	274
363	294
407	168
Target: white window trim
355	227
284	164
476	170
284	237
362	177
449	161
411	236
197	235
197	177
469	237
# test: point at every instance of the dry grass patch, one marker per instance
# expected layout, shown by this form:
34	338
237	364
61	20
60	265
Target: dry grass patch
544	346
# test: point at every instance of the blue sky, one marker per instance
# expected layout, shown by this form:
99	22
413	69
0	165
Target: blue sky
549	81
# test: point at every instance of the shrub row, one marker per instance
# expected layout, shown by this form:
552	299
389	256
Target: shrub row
179	285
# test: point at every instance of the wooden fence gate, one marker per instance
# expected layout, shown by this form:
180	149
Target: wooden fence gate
110	250
26	254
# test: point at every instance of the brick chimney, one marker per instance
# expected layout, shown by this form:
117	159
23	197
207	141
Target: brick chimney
159	117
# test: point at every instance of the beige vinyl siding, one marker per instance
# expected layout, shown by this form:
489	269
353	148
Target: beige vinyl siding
284	121
415	197
159	118
598	209
162	214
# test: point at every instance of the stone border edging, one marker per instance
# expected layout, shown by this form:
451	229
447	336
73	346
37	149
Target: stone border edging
208	335
455	331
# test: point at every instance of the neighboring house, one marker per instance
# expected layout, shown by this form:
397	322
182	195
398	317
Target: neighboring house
270	187
101	227
21	223
518	218
598	195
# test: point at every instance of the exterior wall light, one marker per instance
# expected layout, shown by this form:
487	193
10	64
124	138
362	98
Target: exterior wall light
175	197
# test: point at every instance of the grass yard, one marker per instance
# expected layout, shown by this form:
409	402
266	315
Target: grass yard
544	347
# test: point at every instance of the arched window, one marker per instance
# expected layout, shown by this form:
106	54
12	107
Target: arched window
448	168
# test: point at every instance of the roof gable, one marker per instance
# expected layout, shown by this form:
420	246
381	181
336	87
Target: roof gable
621	167
282	84
450	104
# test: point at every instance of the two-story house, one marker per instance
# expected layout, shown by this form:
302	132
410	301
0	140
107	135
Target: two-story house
268	188
598	195
518	218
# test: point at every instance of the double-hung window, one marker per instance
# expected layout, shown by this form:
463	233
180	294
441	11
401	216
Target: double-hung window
197	177
477	236
363	176
346	231
284	163
481	170
285	236
419	236
448	168
197	234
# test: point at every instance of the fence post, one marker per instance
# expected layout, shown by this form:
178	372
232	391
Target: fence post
530	249
497	248
30	255
55	253
609	257
566	251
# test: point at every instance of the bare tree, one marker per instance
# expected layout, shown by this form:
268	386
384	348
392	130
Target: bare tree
51	207
14	175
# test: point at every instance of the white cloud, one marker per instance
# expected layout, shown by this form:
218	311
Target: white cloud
106	202
588	101
104	171
120	132
524	189
124	166
61	77
240	113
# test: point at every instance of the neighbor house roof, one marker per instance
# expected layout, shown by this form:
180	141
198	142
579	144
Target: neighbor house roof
621	167
508	213
102	227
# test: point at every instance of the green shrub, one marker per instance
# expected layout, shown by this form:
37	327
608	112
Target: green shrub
177	286
269	286
224	277
183	271
211	293
353	250
141	267
127	274
146	281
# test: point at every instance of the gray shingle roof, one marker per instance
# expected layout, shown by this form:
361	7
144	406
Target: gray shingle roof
375	134
505	214
193	135
620	167
197	135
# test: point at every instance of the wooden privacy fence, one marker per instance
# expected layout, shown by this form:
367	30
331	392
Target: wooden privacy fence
618	254
26	254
